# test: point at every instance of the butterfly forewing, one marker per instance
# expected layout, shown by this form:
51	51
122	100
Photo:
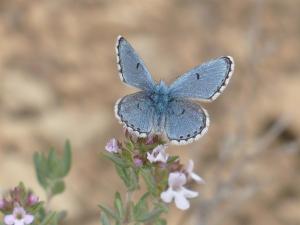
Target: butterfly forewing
131	67
206	81
185	121
136	112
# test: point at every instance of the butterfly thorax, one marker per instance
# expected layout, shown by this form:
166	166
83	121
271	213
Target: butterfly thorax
160	98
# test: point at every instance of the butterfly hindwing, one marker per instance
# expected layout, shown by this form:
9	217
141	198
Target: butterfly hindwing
185	121
136	112
206	81
131	67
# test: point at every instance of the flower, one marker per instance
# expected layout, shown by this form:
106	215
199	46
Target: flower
112	146
150	140
32	199
138	161
19	217
190	174
2	203
177	191
158	154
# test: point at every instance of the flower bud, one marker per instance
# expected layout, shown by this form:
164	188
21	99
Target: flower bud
112	146
32	199
2	203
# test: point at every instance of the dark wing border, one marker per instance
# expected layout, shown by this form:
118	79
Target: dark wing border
125	125
119	39
220	90
196	136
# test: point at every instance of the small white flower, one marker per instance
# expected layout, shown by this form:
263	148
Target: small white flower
19	217
189	170
177	192
158	154
112	146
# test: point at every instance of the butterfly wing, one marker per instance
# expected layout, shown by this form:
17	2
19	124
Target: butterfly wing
132	69
206	82
136	113
185	121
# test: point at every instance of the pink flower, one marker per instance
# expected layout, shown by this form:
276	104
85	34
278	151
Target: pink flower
19	217
150	140
138	161
190	174
112	146
2	203
32	199
158	154
177	192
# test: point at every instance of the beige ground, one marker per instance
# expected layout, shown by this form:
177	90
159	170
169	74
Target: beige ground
58	80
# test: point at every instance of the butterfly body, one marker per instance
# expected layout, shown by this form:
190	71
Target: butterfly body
168	110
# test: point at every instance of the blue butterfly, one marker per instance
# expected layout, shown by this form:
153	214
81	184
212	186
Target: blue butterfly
168	110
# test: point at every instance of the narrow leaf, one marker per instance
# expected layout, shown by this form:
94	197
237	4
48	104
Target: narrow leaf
50	218
119	206
141	207
116	159
104	219
160	221
58	187
150	181
108	211
151	215
67	158
40	169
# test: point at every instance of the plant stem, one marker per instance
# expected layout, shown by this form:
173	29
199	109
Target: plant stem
48	199
127	207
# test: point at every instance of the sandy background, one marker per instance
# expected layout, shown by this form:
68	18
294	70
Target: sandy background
58	80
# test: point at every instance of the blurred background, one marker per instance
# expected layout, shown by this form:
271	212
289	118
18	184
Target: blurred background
58	80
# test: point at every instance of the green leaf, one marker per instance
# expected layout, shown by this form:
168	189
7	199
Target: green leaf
50	218
134	181
119	206
40	169
58	187
58	168
122	172
172	158
67	158
35	208
104	219
53	165
129	177
108	211
141	207
149	180
61	215
116	159
129	146
160	221
154	214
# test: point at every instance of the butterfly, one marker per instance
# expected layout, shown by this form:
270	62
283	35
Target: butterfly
168	110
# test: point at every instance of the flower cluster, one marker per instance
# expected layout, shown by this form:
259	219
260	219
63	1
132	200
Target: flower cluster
19	206
168	175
